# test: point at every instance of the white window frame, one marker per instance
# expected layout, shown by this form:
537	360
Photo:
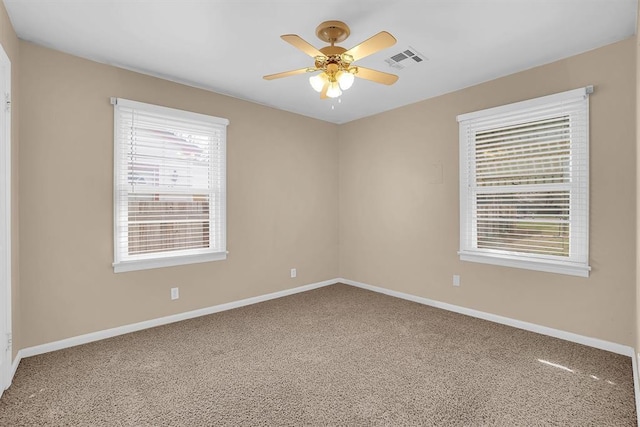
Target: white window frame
577	263
122	260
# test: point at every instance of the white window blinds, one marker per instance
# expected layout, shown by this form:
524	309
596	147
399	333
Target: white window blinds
170	186
524	184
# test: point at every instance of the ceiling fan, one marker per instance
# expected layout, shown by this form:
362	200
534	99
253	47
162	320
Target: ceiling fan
335	63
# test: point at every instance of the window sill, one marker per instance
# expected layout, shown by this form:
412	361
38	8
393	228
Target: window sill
537	265
147	264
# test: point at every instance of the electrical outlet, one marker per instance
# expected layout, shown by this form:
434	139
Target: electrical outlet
175	293
294	273
456	280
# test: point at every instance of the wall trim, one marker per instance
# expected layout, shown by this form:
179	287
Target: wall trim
532	327
16	362
636	383
134	327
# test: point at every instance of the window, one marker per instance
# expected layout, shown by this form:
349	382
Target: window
524	184
170	186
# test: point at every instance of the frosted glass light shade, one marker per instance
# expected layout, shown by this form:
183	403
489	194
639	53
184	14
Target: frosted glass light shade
345	80
334	90
317	81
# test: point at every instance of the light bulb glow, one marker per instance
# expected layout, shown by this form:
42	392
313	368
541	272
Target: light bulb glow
345	79
317	81
334	90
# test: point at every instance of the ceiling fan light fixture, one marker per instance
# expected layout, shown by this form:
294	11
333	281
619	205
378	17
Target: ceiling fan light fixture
345	79
317	82
334	64
334	90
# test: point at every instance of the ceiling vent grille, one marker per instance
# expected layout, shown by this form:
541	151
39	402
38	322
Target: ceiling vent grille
405	59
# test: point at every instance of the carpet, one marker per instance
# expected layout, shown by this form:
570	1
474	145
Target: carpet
337	355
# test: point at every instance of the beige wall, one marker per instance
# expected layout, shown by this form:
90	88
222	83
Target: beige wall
282	201
9	42
399	215
386	196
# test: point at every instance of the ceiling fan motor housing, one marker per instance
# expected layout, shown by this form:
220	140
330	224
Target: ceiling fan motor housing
333	31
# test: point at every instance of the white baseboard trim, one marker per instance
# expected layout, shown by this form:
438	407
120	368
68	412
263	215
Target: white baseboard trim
125	329
12	372
121	330
532	327
636	383
14	366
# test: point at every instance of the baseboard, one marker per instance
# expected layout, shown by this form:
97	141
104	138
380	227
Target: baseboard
12	373
134	327
636	383
14	366
121	330
532	327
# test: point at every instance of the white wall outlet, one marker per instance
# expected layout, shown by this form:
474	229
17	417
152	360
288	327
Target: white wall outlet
175	293
456	280
294	273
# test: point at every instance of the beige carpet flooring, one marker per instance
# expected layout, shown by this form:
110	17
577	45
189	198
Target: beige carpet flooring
338	355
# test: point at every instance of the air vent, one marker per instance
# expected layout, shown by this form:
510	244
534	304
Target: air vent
405	59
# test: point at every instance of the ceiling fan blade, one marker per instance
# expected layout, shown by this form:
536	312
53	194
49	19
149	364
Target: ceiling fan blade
285	74
323	93
376	76
297	42
380	41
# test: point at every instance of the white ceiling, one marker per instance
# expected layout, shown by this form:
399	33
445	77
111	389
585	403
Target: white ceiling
226	46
